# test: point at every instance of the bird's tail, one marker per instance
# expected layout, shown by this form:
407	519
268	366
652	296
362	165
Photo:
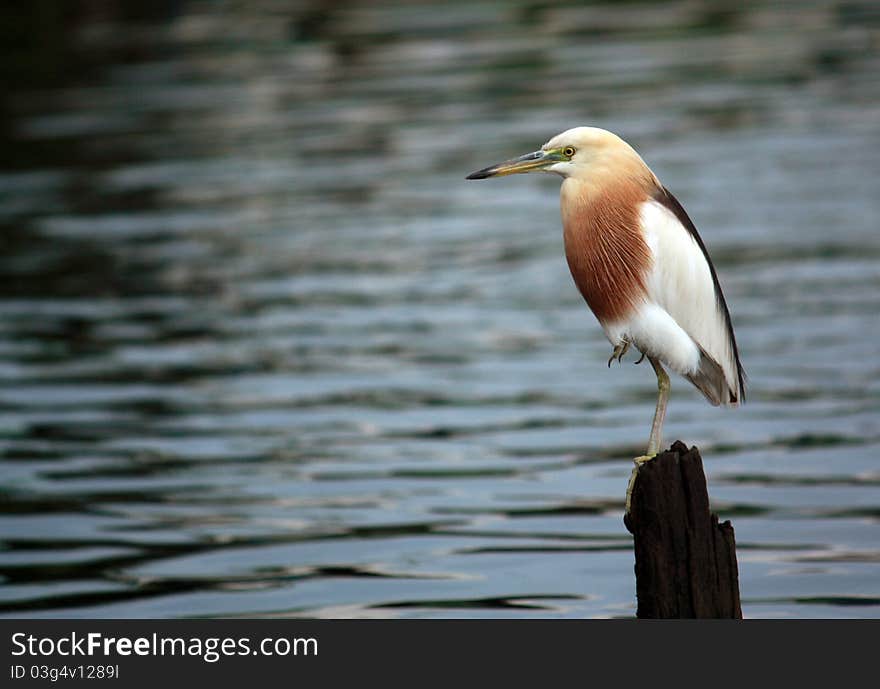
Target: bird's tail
710	380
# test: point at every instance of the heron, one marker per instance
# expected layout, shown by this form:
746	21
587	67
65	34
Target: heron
640	264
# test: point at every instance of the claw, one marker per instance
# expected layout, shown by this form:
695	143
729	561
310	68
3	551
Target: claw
641	359
619	351
638	461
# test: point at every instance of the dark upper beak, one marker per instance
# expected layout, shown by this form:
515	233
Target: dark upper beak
530	162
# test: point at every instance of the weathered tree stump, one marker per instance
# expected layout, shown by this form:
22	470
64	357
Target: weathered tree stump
685	560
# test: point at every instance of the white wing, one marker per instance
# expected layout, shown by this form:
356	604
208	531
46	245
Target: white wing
682	285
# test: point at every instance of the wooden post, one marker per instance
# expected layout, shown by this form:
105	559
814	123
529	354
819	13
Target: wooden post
685	560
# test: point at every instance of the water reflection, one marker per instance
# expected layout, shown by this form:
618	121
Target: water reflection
264	352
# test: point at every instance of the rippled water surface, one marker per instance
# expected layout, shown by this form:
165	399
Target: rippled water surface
264	351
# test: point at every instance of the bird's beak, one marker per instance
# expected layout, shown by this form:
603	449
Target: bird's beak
530	162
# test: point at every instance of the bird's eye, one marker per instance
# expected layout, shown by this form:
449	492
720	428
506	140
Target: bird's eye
568	151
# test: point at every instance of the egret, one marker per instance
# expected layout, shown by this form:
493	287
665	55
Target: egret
640	264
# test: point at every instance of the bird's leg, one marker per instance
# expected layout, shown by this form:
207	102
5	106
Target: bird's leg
656	428
660	412
619	350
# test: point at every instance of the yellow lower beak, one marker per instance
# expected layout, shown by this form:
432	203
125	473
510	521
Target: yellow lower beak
530	162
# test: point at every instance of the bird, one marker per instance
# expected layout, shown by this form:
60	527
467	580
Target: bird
640	264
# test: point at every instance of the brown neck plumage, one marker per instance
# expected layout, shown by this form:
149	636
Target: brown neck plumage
604	244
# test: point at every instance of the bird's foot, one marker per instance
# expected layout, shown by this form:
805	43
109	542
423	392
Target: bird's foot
641	359
619	351
638	461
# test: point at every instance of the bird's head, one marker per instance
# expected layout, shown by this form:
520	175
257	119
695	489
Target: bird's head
581	152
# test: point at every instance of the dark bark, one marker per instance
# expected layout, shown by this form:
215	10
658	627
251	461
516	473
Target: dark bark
685	560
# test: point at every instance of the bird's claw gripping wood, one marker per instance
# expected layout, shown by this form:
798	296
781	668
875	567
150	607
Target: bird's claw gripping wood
638	461
619	350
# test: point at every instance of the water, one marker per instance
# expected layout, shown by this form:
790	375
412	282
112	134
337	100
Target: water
265	352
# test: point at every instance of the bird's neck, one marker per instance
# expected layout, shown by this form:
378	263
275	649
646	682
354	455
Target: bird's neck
605	200
604	242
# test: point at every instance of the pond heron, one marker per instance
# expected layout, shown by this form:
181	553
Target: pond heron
640	264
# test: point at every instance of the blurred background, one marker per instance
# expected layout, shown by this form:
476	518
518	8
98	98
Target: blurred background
263	351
